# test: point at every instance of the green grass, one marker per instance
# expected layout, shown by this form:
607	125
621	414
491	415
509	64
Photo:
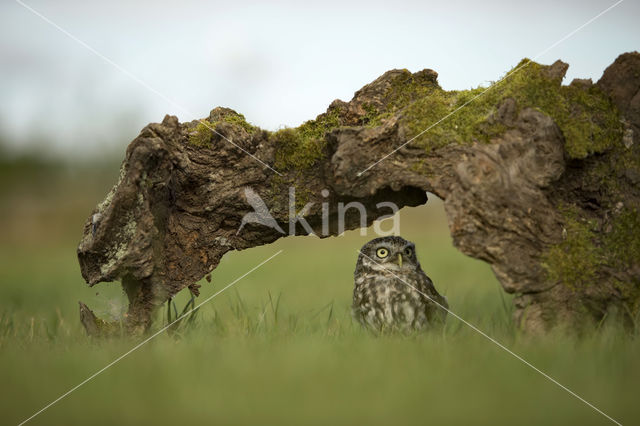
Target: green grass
280	347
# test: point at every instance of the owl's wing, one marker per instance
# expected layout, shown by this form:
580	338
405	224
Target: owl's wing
430	290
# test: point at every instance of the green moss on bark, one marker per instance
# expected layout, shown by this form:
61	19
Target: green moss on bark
576	260
299	148
372	118
587	248
435	117
203	133
586	117
623	242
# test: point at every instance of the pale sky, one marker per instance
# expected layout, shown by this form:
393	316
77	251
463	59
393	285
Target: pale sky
278	63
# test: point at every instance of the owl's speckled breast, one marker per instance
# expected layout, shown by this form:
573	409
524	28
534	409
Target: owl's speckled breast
387	302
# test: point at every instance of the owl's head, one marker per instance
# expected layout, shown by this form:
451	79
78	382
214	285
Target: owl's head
393	253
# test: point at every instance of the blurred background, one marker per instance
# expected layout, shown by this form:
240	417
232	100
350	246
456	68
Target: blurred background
280	347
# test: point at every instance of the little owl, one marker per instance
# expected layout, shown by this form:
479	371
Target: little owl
391	289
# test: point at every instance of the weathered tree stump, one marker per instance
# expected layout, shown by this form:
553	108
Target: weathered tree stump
540	180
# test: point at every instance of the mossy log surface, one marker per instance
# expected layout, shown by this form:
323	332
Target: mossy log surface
539	179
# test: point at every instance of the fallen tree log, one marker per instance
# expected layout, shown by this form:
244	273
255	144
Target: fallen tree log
539	179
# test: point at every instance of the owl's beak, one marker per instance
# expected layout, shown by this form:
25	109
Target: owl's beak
400	259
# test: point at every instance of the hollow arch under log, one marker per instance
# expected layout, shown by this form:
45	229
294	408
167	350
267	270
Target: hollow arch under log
540	180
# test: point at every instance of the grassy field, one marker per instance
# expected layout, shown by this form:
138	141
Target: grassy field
279	347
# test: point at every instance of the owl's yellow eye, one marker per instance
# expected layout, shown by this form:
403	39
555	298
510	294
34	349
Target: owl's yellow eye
408	251
382	253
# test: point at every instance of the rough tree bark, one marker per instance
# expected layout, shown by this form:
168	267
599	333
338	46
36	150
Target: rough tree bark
540	180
